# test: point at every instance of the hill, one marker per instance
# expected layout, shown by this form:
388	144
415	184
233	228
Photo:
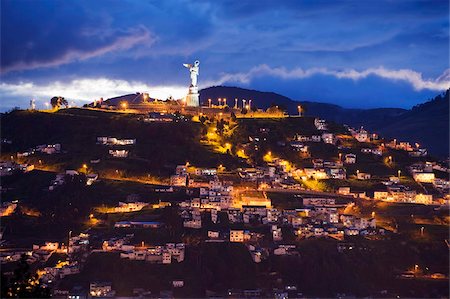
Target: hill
159	146
426	123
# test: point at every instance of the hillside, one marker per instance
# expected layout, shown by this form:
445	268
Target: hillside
426	123
159	147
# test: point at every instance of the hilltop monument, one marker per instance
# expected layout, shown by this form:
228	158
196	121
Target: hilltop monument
192	98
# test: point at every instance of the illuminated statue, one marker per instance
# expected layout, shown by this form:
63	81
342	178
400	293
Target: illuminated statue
194	72
192	99
33	104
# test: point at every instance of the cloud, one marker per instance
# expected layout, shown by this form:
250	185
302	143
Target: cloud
134	37
411	77
82	91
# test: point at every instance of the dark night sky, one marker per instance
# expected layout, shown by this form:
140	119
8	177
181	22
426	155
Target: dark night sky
352	53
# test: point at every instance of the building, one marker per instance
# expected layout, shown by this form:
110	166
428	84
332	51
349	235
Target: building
318	201
380	195
361	135
329	138
178	180
118	153
363	176
101	289
426	199
350	158
320	124
424	177
236	236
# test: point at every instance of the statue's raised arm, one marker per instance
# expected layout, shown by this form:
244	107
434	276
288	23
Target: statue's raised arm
194	70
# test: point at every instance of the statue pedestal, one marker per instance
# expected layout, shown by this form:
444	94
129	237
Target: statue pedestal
193	97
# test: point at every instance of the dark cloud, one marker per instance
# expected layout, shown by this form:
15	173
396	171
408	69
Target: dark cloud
146	41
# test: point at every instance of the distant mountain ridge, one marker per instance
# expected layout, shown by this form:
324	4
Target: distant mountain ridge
427	123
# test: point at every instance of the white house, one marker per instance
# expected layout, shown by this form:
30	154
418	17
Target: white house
350	158
363	176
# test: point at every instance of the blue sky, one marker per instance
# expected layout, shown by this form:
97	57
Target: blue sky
352	53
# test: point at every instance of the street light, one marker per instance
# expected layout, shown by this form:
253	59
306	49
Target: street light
299	108
421	231
399	173
235	103
209	103
224	101
220	100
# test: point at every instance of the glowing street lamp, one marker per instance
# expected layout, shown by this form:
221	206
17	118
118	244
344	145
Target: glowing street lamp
124	105
243	103
250	103
299	108
340	157
421	231
247	107
224	101
209	103
219	100
235	103
399	172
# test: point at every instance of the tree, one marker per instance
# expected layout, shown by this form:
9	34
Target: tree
58	101
23	284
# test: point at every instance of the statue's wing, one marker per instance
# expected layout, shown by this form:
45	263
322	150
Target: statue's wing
187	65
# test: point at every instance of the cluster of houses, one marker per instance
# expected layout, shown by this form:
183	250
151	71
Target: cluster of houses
124	207
320	217
61	178
113	141
43	148
10	167
323	169
159	117
413	151
161	254
43	252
